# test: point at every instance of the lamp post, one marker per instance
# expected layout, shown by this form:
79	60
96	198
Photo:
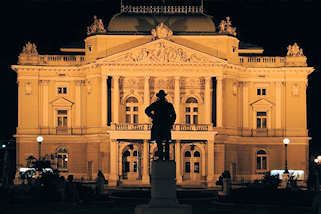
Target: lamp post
286	142
317	162
39	140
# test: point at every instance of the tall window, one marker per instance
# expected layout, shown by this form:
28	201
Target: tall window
62	118
191	111
62	159
261	92
62	90
261	160
261	120
131	110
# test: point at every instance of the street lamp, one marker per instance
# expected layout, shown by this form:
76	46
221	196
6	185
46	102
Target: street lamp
39	140
286	142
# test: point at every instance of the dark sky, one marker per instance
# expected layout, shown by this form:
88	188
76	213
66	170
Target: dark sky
54	23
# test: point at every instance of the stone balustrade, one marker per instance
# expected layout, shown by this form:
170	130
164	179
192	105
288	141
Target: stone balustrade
56	60
147	127
262	61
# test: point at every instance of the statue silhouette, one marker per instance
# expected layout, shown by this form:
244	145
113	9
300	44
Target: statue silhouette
163	115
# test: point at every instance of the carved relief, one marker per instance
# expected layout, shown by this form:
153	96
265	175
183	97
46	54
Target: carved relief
295	50
28	88
89	87
96	27
29	49
193	83
136	83
234	88
161	31
226	27
163	83
161	53
295	90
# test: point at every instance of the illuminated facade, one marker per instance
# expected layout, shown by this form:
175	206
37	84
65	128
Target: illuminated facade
234	106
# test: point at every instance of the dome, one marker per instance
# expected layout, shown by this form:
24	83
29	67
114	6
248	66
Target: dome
143	23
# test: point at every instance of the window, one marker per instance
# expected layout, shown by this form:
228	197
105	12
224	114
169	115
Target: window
62	118
62	90
261	160
196	167
191	111
261	120
261	92
131	110
62	159
187	154
197	154
187	167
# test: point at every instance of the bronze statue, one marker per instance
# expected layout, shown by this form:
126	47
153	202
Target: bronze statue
163	115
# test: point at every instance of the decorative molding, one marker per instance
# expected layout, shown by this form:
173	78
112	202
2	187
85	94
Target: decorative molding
28	88
162	52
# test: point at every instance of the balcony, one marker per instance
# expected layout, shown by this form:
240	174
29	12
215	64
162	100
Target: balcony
263	62
56	60
147	127
62	131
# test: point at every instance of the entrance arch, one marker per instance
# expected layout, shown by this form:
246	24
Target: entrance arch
192	164
130	163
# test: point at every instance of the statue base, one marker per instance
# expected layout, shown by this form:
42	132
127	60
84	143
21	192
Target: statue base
163	191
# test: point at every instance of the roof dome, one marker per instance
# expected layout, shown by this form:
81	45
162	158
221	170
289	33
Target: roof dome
143	23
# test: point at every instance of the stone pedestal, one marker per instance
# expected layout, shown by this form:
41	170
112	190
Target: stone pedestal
163	192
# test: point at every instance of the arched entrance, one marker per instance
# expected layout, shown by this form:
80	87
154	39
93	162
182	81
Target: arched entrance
130	163
192	161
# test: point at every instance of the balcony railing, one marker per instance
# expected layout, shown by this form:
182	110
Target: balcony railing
62	131
262	61
58	60
147	127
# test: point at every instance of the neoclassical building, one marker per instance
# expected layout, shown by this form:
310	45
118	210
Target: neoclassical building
234	105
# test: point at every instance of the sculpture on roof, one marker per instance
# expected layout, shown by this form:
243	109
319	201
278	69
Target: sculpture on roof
295	50
226	27
96	27
161	31
29	49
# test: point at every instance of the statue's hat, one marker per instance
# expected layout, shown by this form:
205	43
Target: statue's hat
161	94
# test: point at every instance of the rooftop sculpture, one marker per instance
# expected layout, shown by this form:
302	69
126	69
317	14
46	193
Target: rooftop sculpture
226	27
96	27
161	32
29	49
295	50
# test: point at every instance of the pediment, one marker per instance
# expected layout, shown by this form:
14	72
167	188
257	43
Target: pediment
261	103
161	51
61	102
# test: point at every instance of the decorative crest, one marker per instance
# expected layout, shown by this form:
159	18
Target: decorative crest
96	27
162	32
226	27
295	50
29	49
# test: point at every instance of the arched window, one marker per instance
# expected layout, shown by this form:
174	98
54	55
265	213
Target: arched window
187	154
135	154
191	111
197	154
62	159
131	110
261	161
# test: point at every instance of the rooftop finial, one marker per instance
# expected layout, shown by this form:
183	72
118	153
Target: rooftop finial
295	50
29	49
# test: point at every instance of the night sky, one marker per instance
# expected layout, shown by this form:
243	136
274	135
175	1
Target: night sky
52	24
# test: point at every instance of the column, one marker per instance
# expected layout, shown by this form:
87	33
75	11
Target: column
78	103
103	101
178	162
113	176
219	101
177	99
245	105
146	97
116	99
278	104
208	100
146	162
45	103
210	163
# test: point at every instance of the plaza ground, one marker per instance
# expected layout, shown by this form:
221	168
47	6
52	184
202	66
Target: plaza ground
203	201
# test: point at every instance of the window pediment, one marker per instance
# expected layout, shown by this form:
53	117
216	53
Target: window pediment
262	104
61	102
